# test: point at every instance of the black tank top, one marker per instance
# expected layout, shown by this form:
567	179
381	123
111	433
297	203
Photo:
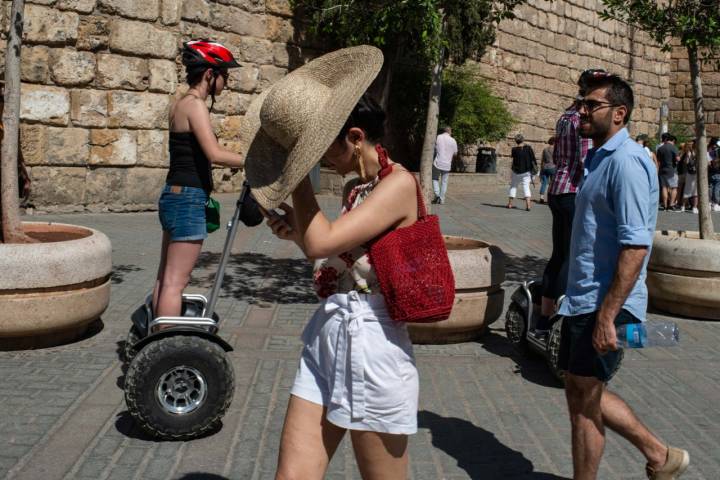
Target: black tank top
189	167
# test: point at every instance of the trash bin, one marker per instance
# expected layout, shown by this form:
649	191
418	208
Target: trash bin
486	161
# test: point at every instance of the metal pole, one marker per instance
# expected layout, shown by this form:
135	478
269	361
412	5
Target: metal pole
233	227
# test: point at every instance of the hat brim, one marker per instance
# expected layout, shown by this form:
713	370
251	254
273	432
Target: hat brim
272	171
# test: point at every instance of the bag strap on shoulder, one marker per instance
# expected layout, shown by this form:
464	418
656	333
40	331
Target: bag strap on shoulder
386	169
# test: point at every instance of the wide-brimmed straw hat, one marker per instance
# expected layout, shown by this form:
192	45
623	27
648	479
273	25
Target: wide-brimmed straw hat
289	126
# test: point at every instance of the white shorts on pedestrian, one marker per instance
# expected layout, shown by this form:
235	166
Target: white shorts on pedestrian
359	363
518	179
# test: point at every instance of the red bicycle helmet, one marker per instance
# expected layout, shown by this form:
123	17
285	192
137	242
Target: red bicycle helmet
206	53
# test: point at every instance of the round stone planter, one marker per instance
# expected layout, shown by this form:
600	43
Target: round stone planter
479	270
684	275
56	287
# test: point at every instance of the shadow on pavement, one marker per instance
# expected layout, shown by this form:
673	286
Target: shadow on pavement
477	451
126	425
202	476
259	278
119	271
521	269
532	367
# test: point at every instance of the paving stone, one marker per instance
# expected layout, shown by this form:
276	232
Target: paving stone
484	413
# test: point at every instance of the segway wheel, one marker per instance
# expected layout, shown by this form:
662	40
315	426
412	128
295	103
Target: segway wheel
179	387
129	351
516	328
553	350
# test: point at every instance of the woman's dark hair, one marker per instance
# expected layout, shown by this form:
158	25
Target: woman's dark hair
367	116
195	74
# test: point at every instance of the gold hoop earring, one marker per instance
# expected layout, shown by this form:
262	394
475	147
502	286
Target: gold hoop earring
357	157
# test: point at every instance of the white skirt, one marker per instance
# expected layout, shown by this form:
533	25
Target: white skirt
359	363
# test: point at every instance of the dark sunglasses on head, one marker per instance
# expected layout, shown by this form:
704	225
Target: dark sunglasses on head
595	73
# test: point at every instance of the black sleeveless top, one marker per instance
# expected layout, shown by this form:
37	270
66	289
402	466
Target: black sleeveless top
189	167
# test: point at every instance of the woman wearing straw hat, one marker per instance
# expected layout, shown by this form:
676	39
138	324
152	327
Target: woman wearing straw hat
357	371
193	149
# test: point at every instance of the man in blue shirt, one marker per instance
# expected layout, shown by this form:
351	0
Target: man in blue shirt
612	234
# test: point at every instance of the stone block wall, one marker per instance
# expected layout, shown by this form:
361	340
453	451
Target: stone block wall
681	100
537	58
98	79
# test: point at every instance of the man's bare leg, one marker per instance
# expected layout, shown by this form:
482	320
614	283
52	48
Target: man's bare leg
584	396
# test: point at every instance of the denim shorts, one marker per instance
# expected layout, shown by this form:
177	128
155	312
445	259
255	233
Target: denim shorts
577	354
182	214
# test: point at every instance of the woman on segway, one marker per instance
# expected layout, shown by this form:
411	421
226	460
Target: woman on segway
193	150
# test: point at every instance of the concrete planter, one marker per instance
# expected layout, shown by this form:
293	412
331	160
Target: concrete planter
684	275
57	287
479	270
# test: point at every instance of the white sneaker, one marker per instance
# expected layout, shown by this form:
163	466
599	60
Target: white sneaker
695	211
716	208
682	209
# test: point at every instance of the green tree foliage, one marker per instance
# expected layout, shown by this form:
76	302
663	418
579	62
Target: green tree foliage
469	106
696	25
425	28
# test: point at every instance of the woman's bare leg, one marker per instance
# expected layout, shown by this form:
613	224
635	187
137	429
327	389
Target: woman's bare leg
308	441
380	456
179	263
161	270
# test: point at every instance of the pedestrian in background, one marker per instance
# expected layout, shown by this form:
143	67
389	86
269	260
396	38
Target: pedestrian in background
445	150
714	173
547	168
524	166
668	158
690	191
642	139
568	156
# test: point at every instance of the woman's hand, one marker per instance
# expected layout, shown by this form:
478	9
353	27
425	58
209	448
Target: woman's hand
283	226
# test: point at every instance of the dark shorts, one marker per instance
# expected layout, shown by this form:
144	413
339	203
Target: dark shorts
182	213
577	354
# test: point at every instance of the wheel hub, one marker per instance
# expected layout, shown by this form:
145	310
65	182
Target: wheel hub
181	390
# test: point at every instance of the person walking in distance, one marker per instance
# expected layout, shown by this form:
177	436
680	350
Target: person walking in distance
445	151
524	166
568	155
612	235
547	168
668	158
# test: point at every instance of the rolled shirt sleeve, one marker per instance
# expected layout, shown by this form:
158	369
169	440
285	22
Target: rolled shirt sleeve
632	202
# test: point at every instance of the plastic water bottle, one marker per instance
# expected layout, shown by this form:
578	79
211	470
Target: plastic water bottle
648	334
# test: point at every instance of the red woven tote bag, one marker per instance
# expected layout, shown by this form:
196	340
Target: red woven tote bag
412	265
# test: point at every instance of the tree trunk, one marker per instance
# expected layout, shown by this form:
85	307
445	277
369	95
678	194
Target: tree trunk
11	227
701	156
431	130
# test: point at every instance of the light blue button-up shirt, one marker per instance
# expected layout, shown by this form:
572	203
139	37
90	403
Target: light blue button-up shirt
616	206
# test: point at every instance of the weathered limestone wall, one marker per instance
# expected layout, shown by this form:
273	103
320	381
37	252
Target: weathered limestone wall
538	57
681	103
98	79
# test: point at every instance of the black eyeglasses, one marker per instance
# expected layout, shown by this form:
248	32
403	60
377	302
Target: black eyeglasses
592	105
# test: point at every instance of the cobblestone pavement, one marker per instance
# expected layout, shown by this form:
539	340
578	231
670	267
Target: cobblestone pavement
485	413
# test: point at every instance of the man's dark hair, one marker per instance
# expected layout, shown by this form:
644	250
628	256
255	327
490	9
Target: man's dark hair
618	93
367	115
665	137
551	141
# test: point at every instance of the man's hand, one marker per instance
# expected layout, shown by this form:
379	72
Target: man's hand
604	335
